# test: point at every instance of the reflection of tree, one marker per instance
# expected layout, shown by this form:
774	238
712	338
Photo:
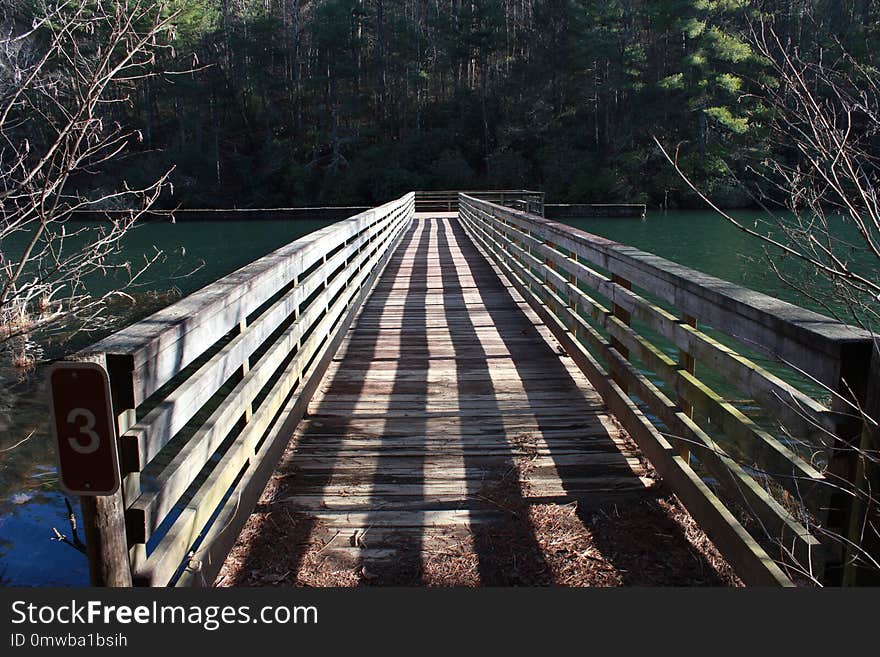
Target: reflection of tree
29	541
28	468
73	539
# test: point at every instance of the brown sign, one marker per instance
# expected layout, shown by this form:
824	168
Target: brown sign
83	426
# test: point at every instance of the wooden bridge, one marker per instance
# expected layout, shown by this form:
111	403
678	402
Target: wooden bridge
418	376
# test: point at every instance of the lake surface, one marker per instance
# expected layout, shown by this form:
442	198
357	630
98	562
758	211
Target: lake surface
708	243
30	502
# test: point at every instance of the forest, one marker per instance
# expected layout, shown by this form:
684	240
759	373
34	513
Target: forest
766	112
273	103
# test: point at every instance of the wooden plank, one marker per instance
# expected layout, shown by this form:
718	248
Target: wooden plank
749	560
219	538
163	344
451	488
331	426
808	340
149	510
405	462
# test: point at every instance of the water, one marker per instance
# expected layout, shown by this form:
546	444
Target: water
30	502
706	242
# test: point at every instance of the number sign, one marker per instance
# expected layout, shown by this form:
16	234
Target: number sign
84	429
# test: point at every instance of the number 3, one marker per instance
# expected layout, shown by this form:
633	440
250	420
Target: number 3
88	429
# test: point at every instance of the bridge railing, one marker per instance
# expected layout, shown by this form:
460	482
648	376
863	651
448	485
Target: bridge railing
606	302
447	200
208	391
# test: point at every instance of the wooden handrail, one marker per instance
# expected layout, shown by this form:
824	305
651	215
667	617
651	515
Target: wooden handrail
554	265
207	390
798	337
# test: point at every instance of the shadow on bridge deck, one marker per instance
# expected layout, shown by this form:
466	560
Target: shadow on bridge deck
452	443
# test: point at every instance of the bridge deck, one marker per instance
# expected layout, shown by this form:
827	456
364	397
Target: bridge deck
446	437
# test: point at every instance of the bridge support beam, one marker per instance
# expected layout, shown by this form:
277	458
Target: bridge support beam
864	509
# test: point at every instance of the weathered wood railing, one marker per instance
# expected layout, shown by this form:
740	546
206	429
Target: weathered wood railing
207	393
447	200
589	290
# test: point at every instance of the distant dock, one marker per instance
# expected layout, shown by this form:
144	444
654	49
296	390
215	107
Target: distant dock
331	213
581	210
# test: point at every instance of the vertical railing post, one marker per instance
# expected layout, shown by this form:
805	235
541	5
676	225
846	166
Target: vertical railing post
840	505
245	368
625	317
548	265
687	363
104	515
863	542
106	544
573	302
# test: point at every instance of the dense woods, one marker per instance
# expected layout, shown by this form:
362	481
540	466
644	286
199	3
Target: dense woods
290	102
243	103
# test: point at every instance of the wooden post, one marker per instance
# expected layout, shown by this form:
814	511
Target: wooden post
573	301
624	316
843	511
865	513
245	368
548	264
106	543
689	364
104	515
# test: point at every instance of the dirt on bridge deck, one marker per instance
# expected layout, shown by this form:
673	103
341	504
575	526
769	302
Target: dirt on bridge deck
648	542
453	443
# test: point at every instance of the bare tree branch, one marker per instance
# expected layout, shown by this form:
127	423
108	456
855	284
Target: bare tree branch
60	81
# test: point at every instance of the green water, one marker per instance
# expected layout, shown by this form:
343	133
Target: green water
706	242
30	503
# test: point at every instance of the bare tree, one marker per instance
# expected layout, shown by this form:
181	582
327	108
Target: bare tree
824	135
824	122
65	81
